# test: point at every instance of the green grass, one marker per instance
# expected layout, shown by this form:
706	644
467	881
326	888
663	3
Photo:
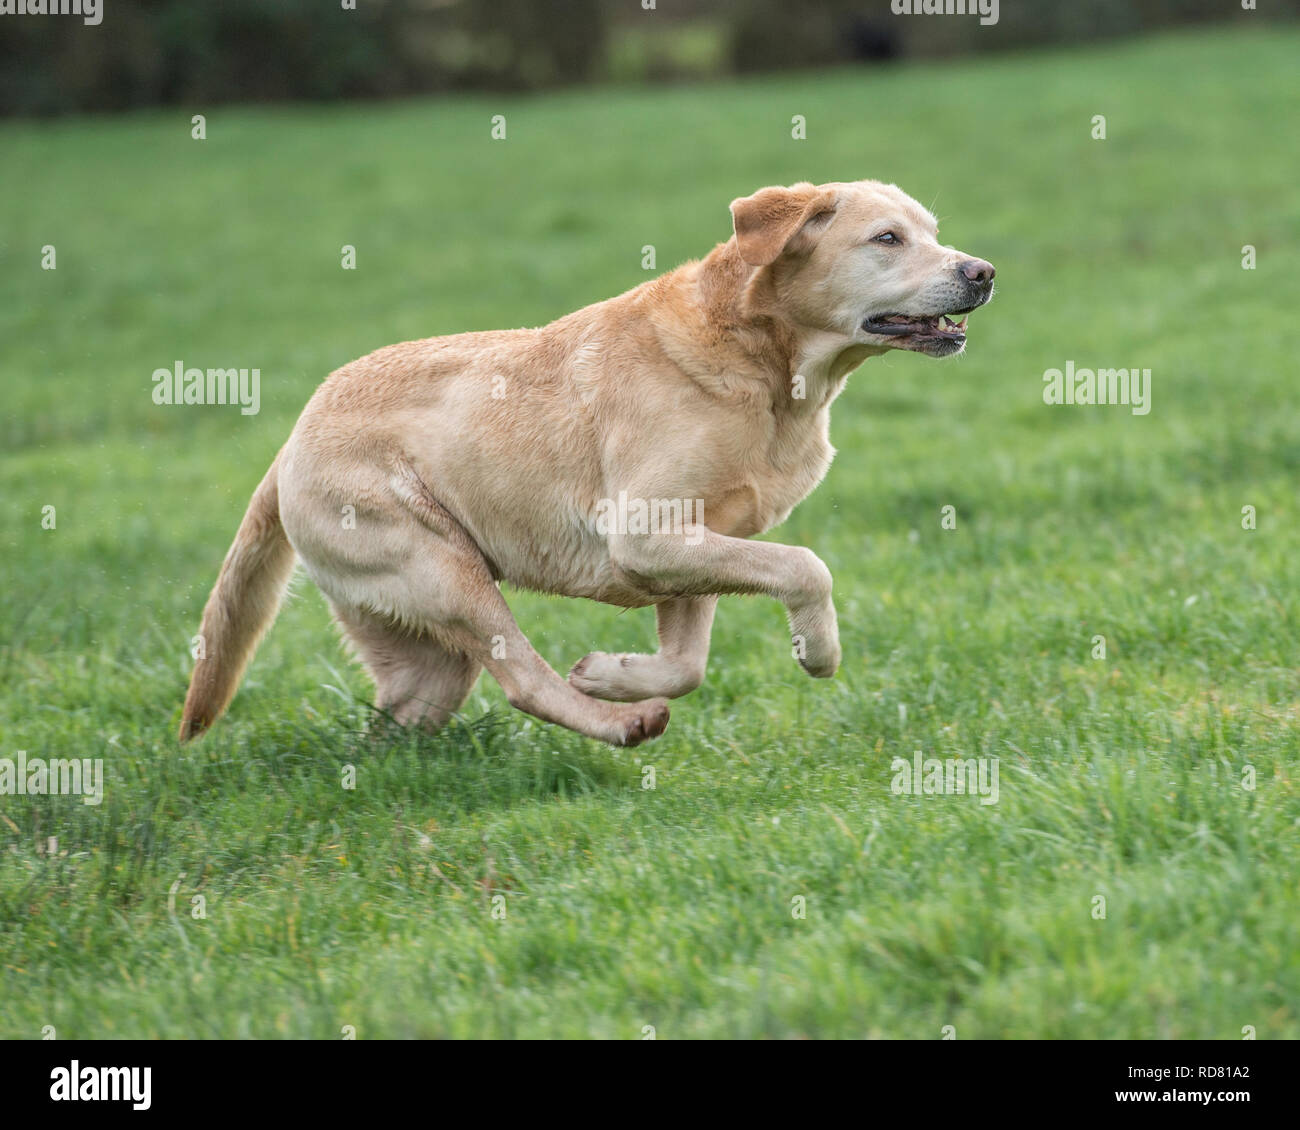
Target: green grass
671	907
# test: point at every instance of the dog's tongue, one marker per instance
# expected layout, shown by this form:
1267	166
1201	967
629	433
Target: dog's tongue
902	324
895	324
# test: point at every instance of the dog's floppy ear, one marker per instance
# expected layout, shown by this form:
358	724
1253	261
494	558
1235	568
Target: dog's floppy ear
776	220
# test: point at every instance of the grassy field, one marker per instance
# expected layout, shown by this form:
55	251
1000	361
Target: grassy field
380	907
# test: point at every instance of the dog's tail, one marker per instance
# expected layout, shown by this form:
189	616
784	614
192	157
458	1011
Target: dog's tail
242	605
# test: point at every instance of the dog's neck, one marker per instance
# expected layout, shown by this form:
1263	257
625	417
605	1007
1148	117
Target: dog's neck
804	366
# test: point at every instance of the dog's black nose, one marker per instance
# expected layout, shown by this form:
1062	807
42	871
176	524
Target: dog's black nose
976	270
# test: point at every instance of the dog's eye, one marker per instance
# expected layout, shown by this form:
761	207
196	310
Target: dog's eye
886	237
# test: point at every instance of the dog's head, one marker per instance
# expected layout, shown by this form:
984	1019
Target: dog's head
861	260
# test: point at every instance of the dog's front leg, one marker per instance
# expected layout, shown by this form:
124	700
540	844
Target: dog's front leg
702	562
677	668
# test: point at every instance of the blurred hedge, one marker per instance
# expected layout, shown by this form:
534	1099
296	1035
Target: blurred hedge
151	52
199	52
772	34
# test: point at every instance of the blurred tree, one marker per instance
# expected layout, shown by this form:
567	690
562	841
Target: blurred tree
168	51
159	52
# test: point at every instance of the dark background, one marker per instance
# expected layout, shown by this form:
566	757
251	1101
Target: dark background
169	52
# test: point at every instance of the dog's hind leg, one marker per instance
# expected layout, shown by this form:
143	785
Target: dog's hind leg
677	668
443	589
417	679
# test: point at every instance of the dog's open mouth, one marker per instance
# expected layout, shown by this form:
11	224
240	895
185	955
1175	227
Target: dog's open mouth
934	334
923	325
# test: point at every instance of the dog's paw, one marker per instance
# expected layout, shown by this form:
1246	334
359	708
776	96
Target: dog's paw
632	678
823	667
606	676
816	639
818	654
643	721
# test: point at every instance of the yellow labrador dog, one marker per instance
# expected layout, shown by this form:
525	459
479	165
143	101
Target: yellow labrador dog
622	453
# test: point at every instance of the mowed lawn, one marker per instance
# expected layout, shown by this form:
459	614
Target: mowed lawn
509	878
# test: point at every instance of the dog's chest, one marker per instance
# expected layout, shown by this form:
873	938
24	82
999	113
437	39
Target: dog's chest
774	478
